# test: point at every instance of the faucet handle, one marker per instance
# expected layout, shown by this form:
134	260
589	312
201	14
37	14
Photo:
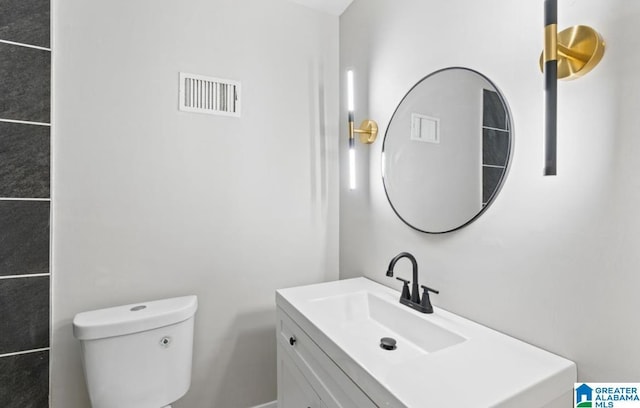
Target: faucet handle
405	289
428	289
426	302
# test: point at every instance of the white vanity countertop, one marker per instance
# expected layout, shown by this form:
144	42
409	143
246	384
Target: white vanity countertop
454	363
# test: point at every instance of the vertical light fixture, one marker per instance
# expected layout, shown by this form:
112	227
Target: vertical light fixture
550	85
352	145
570	54
368	130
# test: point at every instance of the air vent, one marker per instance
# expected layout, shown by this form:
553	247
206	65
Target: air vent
214	96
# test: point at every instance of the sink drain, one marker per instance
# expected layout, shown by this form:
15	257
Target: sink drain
388	343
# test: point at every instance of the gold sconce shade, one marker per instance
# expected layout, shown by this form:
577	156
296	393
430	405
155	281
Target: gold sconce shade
368	131
579	49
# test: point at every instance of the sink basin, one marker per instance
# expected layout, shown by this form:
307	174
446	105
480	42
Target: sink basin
437	355
363	318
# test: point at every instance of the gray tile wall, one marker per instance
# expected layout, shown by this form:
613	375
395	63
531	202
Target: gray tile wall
25	95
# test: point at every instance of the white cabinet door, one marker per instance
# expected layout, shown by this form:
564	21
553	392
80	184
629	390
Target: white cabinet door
294	391
334	388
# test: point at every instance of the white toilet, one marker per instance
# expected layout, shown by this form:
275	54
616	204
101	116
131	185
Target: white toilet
139	355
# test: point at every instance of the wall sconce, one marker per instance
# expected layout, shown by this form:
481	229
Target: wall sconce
368	131
570	54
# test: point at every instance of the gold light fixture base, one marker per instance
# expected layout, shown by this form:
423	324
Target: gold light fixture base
580	49
368	131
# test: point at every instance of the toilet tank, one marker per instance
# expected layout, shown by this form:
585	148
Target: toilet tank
138	355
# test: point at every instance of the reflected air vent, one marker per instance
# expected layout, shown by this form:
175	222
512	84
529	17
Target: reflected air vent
214	96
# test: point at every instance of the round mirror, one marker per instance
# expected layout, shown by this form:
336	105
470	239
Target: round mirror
446	152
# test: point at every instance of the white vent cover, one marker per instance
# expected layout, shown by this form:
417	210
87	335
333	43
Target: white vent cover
214	96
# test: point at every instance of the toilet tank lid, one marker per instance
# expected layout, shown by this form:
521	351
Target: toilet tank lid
133	318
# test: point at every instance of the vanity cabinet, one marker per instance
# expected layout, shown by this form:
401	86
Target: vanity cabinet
329	355
307	377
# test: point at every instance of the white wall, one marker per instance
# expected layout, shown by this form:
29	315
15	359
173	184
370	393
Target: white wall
150	202
554	261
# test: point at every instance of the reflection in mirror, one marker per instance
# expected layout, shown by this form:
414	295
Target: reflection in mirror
446	151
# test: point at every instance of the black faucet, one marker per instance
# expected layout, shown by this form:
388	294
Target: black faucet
412	298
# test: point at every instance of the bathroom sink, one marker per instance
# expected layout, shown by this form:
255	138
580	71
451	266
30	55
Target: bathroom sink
362	318
436	356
